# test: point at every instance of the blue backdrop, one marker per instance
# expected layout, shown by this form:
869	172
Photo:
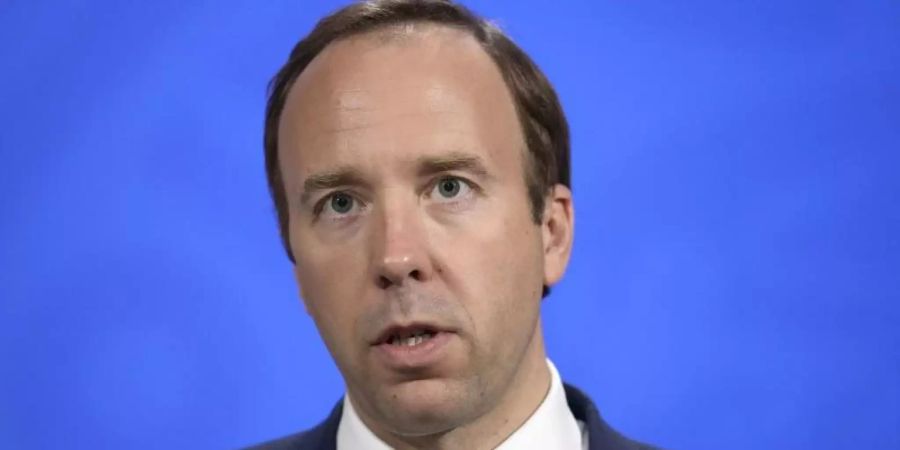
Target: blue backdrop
734	283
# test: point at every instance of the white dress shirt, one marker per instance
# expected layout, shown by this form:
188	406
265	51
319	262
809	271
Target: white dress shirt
551	427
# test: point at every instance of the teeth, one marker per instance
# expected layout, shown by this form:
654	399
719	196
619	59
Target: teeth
411	340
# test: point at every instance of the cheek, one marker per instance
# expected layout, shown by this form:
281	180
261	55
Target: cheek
330	281
496	267
326	269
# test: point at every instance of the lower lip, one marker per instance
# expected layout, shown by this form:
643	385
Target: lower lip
415	357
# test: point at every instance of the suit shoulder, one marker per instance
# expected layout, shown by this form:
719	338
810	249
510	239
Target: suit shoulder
601	436
321	437
296	441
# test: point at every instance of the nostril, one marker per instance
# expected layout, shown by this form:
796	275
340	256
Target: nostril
386	281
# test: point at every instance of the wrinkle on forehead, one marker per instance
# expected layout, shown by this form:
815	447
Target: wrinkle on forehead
353	100
436	80
354	108
336	74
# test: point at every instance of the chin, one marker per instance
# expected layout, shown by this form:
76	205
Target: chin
424	407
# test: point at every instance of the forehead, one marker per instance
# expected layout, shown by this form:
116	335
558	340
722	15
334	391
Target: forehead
406	92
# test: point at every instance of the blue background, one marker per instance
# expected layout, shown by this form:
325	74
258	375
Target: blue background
734	283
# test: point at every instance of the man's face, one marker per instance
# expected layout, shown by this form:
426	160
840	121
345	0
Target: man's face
416	252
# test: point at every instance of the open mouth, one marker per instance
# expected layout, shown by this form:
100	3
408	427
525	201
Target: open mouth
413	347
410	339
407	335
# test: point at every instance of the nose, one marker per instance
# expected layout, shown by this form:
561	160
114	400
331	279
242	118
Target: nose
401	249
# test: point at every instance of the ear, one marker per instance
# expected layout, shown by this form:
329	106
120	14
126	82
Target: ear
558	228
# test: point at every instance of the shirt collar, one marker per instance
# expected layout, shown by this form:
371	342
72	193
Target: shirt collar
552	425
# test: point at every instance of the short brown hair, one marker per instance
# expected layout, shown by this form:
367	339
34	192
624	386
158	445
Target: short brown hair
540	114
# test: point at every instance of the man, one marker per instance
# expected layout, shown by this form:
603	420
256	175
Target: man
419	164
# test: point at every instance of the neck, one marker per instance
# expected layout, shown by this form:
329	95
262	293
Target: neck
522	397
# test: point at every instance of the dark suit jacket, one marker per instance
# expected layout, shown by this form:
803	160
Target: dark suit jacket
600	435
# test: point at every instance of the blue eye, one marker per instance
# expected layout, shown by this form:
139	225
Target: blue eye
449	187
341	203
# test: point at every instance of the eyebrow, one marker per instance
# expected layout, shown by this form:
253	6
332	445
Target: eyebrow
341	176
431	165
